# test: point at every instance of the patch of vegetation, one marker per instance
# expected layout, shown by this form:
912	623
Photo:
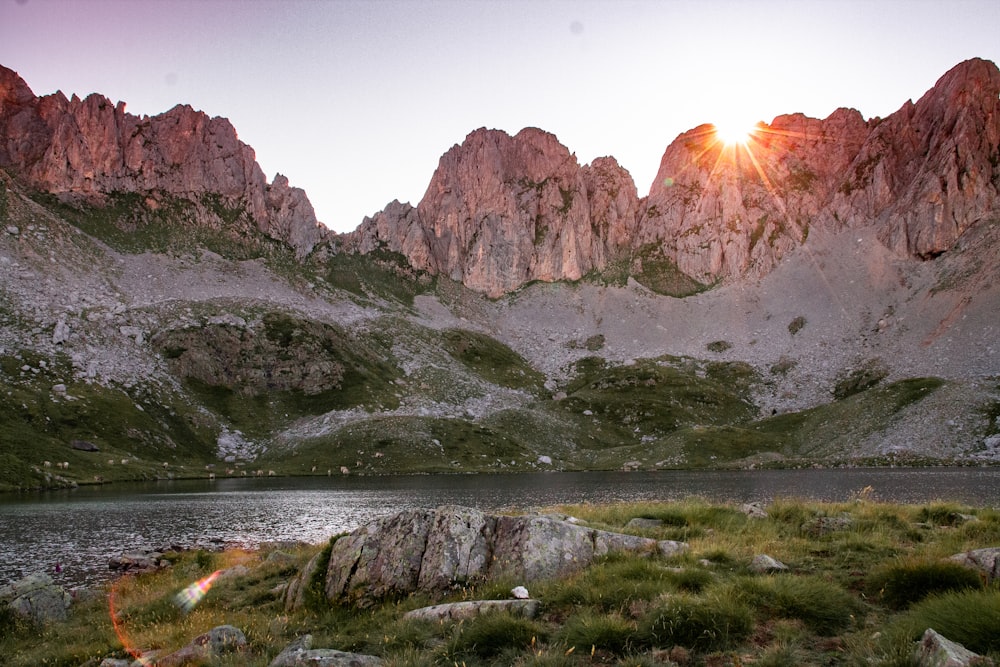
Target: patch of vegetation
133	222
409	444
661	275
379	274
824	607
865	377
490	635
655	398
144	426
491	359
969	617
902	584
796	325
3	202
701	623
719	346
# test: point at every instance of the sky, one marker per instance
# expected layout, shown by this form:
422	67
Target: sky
356	101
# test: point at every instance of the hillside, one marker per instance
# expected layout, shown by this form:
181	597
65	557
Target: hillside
164	304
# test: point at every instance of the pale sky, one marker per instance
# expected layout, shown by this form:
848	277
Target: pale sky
356	101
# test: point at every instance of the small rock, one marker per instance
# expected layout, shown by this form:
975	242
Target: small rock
640	523
13	230
545	460
520	593
763	564
754	510
937	651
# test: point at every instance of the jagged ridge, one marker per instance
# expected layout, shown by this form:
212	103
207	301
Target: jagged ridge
86	149
502	211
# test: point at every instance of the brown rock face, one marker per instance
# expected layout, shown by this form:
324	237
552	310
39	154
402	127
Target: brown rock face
922	176
501	211
89	148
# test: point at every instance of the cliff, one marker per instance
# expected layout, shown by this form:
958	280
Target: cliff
502	211
85	149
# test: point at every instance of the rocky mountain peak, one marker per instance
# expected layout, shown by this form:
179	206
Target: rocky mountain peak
503	210
90	148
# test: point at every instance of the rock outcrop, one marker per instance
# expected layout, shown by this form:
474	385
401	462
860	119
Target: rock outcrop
85	149
501	211
37	597
435	550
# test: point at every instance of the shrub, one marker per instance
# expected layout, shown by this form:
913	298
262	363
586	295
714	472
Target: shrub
701	623
900	585
587	630
489	635
719	346
822	606
970	618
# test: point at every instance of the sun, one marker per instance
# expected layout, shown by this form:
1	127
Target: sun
733	133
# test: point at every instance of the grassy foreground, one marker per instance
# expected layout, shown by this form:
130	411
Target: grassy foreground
865	579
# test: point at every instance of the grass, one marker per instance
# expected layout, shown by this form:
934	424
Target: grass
700	608
144	425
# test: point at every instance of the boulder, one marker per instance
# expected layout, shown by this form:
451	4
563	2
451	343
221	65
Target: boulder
137	562
460	611
216	642
37	597
301	654
754	510
83	446
986	561
639	523
937	651
764	564
433	551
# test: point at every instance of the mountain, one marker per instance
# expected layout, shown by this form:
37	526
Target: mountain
503	211
825	295
90	150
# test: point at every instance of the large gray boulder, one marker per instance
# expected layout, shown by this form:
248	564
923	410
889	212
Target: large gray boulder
986	561
37	597
461	611
434	550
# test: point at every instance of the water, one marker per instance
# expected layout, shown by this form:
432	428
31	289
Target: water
78	530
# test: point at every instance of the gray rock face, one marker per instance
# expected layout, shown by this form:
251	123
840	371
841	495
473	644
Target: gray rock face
986	561
435	550
763	564
37	597
218	641
301	654
937	651
458	611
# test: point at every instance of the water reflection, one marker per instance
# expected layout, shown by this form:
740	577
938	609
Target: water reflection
77	531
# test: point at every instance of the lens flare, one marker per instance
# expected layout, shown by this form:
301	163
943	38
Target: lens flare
188	598
733	133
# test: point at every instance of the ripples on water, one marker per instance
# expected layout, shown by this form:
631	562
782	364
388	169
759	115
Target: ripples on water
79	530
